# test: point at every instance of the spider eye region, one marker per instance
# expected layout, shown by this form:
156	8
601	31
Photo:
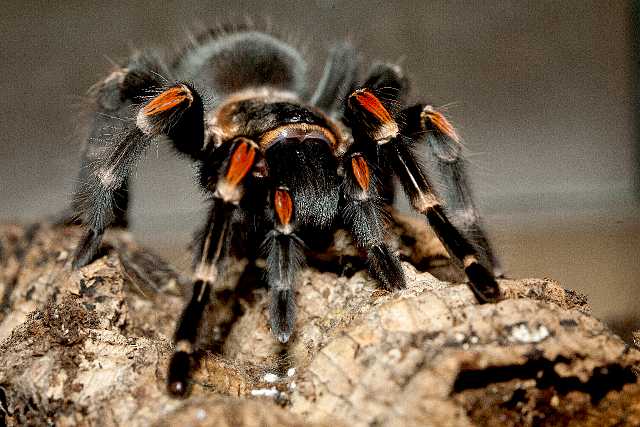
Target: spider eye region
297	133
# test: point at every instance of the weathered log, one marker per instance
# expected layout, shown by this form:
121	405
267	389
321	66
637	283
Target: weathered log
91	347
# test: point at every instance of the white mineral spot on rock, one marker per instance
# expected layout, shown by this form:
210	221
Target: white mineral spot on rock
266	392
201	414
270	378
474	339
459	336
395	354
292	386
291	372
522	333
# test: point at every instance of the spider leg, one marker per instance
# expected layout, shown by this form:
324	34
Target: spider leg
112	99
303	204
285	257
337	79
446	161
175	112
364	215
371	117
226	215
213	251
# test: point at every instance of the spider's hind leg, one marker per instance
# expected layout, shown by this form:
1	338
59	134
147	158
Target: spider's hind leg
375	118
337	79
446	162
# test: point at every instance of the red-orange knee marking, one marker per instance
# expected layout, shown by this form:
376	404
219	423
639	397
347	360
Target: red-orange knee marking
241	162
361	171
283	205
441	123
168	100
372	104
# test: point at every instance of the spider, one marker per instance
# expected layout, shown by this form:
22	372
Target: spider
283	166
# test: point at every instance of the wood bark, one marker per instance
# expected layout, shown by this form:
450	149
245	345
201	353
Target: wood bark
91	347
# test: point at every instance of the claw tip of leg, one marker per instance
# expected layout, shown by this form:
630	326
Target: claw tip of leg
283	337
177	388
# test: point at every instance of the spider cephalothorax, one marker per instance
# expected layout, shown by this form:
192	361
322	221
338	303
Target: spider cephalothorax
283	169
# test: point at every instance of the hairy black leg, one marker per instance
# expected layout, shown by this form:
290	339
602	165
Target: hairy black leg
417	186
285	257
386	86
364	215
112	100
95	200
185	338
375	120
337	79
213	250
176	112
445	161
228	183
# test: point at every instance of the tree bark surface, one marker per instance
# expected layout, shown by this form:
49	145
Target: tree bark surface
91	347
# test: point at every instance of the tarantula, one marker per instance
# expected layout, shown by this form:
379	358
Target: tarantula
283	168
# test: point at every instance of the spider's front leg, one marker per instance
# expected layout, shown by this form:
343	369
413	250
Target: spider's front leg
370	116
112	100
176	112
226	176
364	215
285	256
213	250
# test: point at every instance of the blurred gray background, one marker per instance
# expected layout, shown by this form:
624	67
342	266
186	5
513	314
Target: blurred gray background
542	92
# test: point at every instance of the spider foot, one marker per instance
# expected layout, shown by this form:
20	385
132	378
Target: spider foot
481	282
179	368
282	314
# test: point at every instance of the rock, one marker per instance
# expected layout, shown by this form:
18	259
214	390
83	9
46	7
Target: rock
91	347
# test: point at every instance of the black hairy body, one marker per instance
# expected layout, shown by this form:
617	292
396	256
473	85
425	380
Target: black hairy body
284	165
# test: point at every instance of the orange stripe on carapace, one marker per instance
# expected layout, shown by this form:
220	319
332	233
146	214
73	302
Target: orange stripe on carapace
283	205
361	171
442	124
372	104
167	100
241	162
